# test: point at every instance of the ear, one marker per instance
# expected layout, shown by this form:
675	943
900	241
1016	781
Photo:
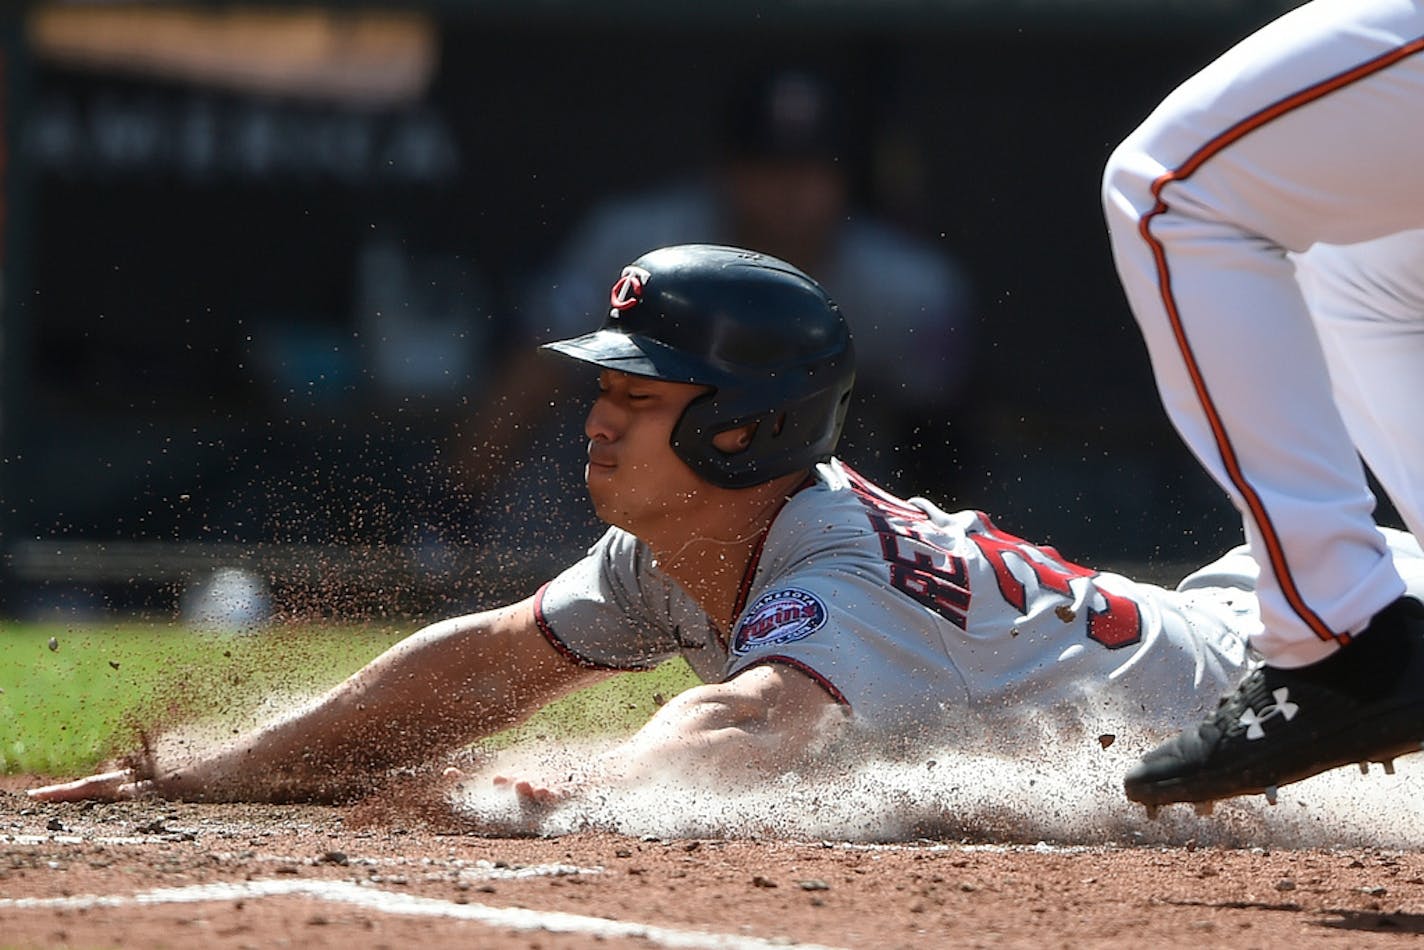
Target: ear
732	441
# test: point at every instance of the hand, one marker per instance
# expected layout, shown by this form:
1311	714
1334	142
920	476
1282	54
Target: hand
534	797
537	801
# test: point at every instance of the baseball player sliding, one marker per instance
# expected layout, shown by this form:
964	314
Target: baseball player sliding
1264	221
807	598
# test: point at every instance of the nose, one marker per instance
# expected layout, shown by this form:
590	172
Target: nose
601	424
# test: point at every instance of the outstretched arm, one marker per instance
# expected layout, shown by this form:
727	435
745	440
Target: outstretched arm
446	685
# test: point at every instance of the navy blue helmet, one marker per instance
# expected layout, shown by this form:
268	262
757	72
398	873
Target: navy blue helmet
766	338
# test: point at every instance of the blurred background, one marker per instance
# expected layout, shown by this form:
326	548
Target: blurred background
272	275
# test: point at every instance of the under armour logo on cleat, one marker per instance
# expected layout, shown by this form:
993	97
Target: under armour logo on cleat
1281	707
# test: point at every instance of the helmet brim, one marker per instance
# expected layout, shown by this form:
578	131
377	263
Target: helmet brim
627	353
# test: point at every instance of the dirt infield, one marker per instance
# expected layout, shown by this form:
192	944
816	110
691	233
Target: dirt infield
159	874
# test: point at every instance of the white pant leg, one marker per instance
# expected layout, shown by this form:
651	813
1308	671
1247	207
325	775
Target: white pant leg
1238	570
1310	130
1368	304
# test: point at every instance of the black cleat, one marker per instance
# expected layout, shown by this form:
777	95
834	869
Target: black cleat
1365	702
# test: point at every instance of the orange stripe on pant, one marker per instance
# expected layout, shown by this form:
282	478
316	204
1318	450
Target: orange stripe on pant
1245	127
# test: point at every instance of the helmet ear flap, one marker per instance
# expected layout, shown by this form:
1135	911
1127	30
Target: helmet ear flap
800	429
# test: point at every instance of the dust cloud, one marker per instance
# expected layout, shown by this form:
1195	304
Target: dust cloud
1000	782
1062	787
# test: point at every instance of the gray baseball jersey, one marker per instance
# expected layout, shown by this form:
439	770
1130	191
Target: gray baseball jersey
906	613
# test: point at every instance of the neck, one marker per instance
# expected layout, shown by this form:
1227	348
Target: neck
713	546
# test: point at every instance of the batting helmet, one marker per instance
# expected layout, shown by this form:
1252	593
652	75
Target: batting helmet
765	337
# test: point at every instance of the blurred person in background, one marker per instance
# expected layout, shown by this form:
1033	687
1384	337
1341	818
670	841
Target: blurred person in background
782	181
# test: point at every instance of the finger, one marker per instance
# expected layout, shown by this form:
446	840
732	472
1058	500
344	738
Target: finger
102	785
106	786
537	794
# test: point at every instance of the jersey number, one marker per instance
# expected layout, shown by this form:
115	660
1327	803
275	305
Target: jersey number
1117	624
935	577
924	570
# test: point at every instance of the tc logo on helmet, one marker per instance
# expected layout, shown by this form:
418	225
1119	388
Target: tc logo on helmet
629	289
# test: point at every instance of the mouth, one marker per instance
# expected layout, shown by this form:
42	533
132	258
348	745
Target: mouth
599	458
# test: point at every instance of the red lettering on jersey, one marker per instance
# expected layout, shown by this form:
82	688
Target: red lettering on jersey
933	576
1119	624
1049	569
922	570
919	568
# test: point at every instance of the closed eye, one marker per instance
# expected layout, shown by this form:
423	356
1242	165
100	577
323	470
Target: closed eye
605	390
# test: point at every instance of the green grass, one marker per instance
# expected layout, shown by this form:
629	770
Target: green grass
66	710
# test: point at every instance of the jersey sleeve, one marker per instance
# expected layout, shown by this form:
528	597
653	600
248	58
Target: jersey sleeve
612	610
875	653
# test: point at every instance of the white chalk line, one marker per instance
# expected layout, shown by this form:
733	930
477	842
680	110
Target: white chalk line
373	898
1042	847
31	840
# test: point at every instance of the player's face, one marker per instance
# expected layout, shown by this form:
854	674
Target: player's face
633	475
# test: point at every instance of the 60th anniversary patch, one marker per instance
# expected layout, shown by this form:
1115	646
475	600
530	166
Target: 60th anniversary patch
780	616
